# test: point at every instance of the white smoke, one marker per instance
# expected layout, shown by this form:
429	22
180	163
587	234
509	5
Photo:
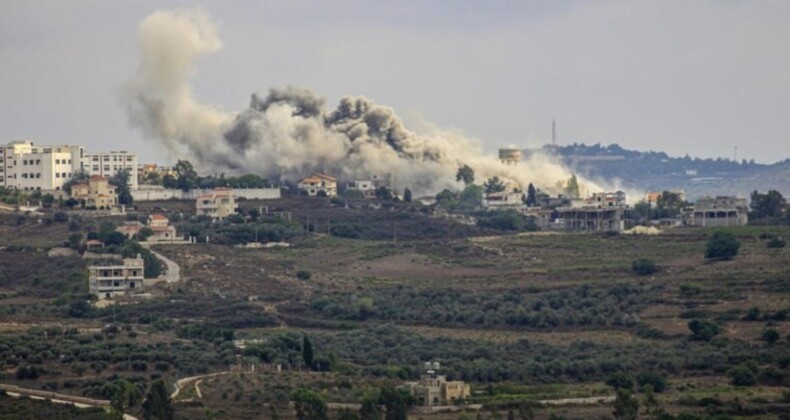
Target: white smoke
290	132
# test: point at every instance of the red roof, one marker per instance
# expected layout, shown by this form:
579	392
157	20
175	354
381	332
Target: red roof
158	216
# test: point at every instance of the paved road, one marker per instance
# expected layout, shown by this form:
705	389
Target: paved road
173	274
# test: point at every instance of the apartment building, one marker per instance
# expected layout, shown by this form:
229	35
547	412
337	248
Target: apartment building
108	280
108	164
28	167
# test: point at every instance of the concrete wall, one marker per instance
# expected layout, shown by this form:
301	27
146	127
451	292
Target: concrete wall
147	193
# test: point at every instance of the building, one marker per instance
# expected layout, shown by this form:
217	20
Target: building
98	193
109	280
600	212
162	230
720	211
510	155
319	183
435	390
108	164
28	167
218	204
503	200
130	228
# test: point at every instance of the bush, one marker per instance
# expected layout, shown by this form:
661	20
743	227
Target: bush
742	375
303	275
620	380
775	243
654	379
770	335
722	246
60	217
643	266
702	330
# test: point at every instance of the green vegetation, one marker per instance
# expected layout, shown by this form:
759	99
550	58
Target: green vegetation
644	266
722	246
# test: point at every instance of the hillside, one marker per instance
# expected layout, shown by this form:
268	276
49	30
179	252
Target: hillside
657	171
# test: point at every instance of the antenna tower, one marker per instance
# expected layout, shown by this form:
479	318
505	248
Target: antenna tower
553	132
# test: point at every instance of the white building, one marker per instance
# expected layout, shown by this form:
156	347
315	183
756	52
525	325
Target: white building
108	164
108	280
218	204
28	167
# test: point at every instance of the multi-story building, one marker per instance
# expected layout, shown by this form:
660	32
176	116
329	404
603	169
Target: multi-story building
28	167
319	183
97	193
108	164
218	204
720	211
109	280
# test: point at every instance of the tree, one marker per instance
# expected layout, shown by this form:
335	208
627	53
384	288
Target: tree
157	404
767	205
770	335
407	195
309	405
702	330
722	246
121	182
494	185
307	352
532	196
572	187
466	174
620	380
643	266
125	395
185	176
384	194
144	233
471	197
79	177
652	405
625	405
371	408
654	380
396	403
446	198
742	375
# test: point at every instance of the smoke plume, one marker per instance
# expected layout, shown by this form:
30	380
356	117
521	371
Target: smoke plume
290	132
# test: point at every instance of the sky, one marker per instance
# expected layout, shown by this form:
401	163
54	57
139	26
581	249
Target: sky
684	77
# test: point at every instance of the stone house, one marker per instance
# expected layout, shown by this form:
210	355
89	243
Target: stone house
720	211
218	204
160	225
317	183
96	193
435	390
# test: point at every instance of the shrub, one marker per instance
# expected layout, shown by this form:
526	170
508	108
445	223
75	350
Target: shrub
643	266
60	217
620	380
742	375
654	379
775	243
303	275
702	330
722	246
770	335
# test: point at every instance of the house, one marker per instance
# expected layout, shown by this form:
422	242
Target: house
109	280
160	225
97	193
368	188
319	183
435	390
720	211
130	228
93	245
508	199
218	204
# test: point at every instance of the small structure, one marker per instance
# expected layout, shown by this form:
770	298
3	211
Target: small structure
108	280
435	390
508	199
720	211
93	245
317	183
219	204
160	225
510	155
368	188
97	193
130	228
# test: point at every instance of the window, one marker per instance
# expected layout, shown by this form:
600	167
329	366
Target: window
38	161
57	161
106	158
96	168
38	174
24	175
95	158
57	174
69	161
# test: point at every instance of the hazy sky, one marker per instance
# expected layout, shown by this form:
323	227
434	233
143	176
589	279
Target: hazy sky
692	77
